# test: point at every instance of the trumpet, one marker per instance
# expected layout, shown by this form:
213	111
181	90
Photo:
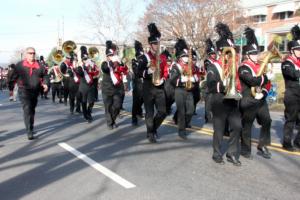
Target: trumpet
229	73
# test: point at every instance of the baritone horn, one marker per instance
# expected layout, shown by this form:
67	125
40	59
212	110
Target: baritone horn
68	47
156	67
229	73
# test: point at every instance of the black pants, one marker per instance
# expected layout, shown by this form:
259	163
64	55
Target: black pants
196	95
137	99
66	87
292	116
112	104
254	109
170	95
29	99
74	95
208	110
95	86
185	107
154	97
225	110
56	90
87	98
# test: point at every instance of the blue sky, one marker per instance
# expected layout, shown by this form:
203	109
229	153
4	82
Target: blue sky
21	27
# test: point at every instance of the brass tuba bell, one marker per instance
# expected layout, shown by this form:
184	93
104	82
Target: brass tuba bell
68	47
94	53
57	57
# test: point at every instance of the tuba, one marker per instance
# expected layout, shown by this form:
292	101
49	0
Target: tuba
68	47
57	57
189	73
156	67
229	73
266	58
94	54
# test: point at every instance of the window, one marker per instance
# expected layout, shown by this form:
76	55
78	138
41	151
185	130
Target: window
285	15
259	18
283	46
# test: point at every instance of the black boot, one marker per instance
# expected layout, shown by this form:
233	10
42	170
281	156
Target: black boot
30	135
264	152
85	111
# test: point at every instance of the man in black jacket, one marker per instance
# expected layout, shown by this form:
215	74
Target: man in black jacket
223	109
254	107
29	76
291	73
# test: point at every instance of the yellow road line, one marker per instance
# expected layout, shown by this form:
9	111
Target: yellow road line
207	131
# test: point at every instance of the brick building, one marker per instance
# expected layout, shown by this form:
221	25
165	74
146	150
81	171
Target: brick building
272	17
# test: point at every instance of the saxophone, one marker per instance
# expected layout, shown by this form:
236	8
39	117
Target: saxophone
156	67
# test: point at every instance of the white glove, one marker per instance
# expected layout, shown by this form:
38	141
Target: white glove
259	96
196	78
270	76
115	58
150	71
161	81
183	79
226	82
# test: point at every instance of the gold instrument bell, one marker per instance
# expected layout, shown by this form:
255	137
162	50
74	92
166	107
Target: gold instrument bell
68	47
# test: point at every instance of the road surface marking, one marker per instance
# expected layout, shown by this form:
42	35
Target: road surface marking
118	179
207	131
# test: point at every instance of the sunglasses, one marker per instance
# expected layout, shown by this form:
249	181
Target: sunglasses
31	53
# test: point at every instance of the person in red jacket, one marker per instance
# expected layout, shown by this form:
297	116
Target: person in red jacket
29	76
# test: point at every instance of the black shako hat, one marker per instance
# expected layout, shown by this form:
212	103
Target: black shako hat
225	36
138	48
295	42
210	48
181	48
110	48
251	48
154	34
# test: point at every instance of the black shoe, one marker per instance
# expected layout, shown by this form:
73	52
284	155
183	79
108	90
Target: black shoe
78	111
46	97
134	122
195	113
233	160
264	152
219	160
60	101
110	127
288	147
151	138
140	116
182	135
188	126
297	145
247	156
30	135
115	125
175	121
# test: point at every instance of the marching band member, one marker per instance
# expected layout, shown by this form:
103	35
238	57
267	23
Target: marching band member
198	71
291	74
153	95
212	57
183	94
137	92
29	76
112	84
169	88
254	107
44	64
223	109
66	79
86	92
56	83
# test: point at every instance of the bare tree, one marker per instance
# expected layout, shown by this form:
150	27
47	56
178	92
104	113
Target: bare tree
193	20
111	20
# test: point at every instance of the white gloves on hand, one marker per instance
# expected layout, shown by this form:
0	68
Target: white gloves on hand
259	96
150	71
161	81
226	82
183	79
270	76
115	58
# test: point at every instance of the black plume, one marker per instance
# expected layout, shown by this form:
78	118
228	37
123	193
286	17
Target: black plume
180	45
224	31
83	51
154	32
166	53
138	47
295	32
209	44
250	36
109	44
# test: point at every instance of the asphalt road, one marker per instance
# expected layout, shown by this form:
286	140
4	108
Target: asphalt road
171	169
